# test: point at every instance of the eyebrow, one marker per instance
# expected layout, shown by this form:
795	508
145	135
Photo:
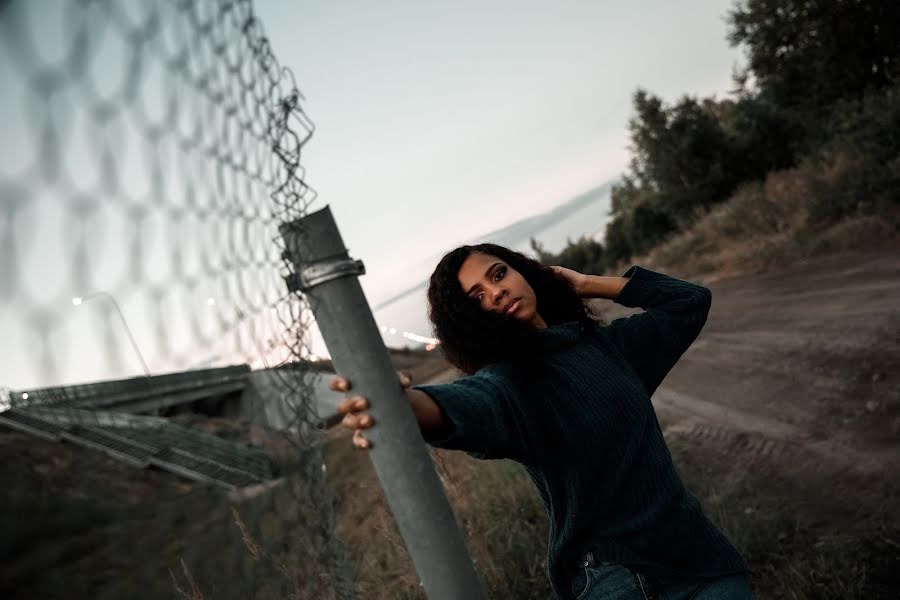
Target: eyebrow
486	274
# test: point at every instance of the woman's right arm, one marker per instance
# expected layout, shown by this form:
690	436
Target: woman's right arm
428	414
474	414
674	313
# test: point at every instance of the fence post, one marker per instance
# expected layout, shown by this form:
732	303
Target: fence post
328	277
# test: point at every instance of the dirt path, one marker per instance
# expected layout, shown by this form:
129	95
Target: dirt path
808	356
796	375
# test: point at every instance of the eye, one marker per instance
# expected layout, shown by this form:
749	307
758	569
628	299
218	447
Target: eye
479	296
500	273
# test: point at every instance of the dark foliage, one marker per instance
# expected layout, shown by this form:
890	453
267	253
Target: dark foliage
584	256
805	55
820	84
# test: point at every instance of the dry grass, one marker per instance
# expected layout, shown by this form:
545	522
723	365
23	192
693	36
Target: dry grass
193	591
495	504
799	543
767	225
797	549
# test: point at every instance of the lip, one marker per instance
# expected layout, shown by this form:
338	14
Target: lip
511	307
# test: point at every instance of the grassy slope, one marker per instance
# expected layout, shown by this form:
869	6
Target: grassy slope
766	225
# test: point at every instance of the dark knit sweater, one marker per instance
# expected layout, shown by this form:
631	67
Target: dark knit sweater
578	417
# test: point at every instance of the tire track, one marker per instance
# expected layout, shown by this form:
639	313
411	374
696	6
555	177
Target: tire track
755	438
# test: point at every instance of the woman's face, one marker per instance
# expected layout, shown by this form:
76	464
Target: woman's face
499	288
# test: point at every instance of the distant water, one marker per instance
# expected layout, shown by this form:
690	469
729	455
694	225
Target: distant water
585	215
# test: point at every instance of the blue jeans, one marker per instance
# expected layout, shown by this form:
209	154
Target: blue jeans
615	582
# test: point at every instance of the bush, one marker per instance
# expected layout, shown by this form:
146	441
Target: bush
584	255
861	160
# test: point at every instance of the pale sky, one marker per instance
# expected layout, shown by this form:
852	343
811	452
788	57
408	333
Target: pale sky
439	121
435	124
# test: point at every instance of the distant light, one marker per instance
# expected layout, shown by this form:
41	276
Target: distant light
210	301
420	338
76	301
25	396
392	331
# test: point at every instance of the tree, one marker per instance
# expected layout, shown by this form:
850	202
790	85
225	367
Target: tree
763	137
806	54
584	255
618	248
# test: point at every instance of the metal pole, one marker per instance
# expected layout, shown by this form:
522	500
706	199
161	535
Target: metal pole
124	322
328	277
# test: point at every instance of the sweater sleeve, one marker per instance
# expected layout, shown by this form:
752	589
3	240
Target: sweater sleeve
479	417
674	313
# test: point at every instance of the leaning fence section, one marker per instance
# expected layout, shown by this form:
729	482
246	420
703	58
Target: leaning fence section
150	151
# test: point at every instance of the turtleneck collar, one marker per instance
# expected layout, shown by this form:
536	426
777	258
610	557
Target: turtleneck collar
559	335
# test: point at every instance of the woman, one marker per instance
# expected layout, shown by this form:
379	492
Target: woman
569	399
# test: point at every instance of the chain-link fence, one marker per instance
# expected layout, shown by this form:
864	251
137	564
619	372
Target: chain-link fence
150	151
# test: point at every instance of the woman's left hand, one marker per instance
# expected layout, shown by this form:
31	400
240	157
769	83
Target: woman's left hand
573	277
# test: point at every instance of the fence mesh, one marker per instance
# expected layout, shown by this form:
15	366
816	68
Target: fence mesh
150	151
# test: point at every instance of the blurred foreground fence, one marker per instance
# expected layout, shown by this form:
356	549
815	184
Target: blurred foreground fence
150	150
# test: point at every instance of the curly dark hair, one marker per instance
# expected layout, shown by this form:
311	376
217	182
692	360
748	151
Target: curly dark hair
472	337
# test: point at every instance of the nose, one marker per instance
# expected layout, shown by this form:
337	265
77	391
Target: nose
496	294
